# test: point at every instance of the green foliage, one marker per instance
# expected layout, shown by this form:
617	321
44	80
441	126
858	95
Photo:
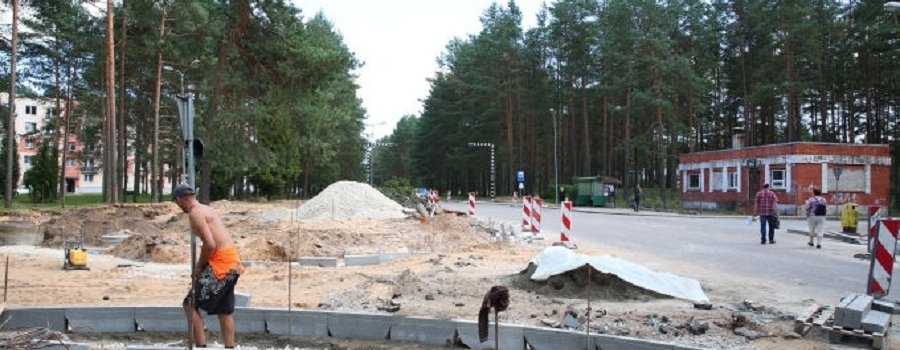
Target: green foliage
399	190
42	178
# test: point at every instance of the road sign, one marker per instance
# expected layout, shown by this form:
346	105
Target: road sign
520	176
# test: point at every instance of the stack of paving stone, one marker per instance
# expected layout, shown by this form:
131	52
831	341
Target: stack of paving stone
860	311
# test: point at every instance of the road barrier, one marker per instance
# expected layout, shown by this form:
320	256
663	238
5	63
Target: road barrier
882	264
471	203
874	215
536	204
566	228
526	213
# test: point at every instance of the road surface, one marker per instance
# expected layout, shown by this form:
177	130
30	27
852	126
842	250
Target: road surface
722	246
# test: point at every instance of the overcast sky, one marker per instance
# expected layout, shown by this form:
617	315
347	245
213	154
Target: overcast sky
399	42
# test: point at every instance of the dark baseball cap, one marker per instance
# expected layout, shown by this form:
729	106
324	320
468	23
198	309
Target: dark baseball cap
182	190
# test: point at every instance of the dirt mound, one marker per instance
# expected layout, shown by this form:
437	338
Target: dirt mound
155	248
348	200
574	284
100	221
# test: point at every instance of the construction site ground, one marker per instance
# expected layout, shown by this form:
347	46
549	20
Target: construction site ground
453	262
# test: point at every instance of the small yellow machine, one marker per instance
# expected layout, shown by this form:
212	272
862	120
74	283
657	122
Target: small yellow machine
76	255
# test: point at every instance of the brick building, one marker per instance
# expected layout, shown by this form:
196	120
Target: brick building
729	179
82	169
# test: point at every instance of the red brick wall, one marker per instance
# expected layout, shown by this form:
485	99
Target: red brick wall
803	176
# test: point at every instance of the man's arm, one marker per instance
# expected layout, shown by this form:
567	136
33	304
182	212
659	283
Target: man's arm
201	229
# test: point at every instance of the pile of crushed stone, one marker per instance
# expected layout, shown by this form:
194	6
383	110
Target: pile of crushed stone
349	200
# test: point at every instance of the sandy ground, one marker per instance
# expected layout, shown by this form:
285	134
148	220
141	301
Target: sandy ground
454	262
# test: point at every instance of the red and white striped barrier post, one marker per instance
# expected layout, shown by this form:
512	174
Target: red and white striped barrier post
882	265
566	221
471	203
874	215
536	203
526	213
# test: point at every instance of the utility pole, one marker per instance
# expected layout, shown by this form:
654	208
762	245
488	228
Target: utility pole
493	165
11	124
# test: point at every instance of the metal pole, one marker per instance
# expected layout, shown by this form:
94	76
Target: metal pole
496	329
556	156
493	174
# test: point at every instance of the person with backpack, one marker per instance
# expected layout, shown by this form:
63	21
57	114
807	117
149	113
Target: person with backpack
816	207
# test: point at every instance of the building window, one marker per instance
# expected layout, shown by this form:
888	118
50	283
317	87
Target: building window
30	126
31	110
27	159
778	179
88	178
693	182
29	144
733	181
70	162
71	147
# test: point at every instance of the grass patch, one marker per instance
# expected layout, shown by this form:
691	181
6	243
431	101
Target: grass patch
24	202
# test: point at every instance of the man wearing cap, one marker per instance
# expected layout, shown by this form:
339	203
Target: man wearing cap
217	270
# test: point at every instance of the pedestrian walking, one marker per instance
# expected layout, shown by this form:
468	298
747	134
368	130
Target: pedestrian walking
816	207
767	210
636	198
217	269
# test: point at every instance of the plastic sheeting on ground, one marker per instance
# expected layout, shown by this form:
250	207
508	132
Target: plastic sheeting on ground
557	260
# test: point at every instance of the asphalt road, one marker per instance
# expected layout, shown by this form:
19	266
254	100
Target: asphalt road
727	245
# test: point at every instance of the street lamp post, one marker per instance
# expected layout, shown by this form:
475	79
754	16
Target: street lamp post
555	153
493	166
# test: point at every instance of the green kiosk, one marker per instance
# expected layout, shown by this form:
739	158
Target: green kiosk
591	190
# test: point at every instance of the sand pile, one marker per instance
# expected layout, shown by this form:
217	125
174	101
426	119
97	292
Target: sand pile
348	200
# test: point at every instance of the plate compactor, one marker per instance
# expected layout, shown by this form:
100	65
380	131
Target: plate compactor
76	255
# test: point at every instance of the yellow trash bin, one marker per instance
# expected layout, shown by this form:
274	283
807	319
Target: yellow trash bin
849	218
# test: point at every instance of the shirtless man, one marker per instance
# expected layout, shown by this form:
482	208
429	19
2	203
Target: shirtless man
217	270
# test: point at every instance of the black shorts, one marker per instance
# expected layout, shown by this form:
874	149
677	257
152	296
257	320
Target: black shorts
215	296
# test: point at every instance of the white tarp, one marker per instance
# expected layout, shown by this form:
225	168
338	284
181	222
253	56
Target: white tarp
556	260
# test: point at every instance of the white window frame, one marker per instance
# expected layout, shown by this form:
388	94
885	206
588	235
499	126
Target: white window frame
71	146
27	160
30	144
88	177
778	184
734	180
30	126
690	180
70	162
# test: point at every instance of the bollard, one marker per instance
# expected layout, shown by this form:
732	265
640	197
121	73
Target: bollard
536	216
526	213
566	229
874	216
881	265
471	203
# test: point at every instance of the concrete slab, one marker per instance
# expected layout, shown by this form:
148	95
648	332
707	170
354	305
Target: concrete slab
854	312
423	330
101	319
318	261
241	299
363	326
21	318
550	339
385	257
361	260
304	323
511	336
841	307
156	347
249	320
160	319
612	342
885	306
876	321
63	346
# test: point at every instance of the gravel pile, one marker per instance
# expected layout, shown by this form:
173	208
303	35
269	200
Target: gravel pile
348	200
